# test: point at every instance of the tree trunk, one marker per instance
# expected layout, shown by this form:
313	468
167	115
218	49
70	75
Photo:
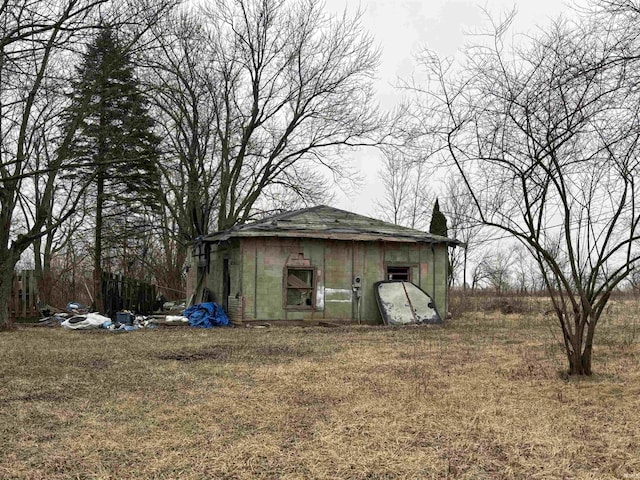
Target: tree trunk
586	360
8	263
39	270
464	270
47	274
578	350
98	302
578	343
42	263
580	363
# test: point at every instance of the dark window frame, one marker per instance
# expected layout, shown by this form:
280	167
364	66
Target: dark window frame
311	288
402	270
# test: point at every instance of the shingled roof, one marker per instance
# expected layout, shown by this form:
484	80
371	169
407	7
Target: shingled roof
329	223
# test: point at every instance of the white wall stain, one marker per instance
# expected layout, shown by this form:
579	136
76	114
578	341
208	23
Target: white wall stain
320	297
338	295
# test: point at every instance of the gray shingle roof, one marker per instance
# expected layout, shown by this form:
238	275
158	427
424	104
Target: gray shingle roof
329	223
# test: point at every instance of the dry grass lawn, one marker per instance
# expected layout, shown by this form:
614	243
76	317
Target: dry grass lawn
483	397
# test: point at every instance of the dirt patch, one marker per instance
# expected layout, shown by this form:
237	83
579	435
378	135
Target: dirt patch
215	353
37	397
227	353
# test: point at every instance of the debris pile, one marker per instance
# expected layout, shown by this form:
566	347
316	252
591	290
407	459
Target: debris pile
79	317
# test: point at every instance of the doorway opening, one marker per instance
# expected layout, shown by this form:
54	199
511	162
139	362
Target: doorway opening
226	284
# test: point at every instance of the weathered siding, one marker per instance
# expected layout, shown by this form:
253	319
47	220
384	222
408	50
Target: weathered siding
338	278
373	260
214	277
442	273
258	265
249	268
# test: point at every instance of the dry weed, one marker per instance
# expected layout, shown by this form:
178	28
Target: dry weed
483	397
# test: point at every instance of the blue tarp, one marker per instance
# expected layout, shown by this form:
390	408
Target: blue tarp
206	315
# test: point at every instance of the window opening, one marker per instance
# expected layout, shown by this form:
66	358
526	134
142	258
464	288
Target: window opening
300	287
399	273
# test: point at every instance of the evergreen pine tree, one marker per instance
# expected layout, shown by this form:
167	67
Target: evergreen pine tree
114	146
438	224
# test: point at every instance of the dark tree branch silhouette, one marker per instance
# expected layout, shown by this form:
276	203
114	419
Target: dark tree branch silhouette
545	135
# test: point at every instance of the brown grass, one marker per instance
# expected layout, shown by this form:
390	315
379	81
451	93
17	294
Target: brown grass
484	397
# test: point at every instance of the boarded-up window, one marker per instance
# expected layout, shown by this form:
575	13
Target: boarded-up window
300	288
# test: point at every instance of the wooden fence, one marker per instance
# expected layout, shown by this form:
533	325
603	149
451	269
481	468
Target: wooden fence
119	293
122	293
24	295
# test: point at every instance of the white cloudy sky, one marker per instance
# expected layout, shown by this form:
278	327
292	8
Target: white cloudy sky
402	27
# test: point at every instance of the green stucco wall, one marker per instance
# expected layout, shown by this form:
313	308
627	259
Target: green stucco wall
257	269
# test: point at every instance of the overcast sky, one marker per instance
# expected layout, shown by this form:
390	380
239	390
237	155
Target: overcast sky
401	28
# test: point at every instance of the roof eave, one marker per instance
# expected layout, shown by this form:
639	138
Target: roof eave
353	236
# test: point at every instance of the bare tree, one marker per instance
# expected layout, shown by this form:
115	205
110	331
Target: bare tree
255	100
394	175
545	136
408	195
179	75
38	40
495	268
463	224
525	271
291	87
34	35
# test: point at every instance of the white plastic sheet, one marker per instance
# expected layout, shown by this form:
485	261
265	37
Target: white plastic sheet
85	322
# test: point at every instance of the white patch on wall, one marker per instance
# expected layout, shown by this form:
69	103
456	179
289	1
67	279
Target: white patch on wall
320	297
319	290
338	295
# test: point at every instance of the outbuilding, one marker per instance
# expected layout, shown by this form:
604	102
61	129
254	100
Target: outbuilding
316	264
